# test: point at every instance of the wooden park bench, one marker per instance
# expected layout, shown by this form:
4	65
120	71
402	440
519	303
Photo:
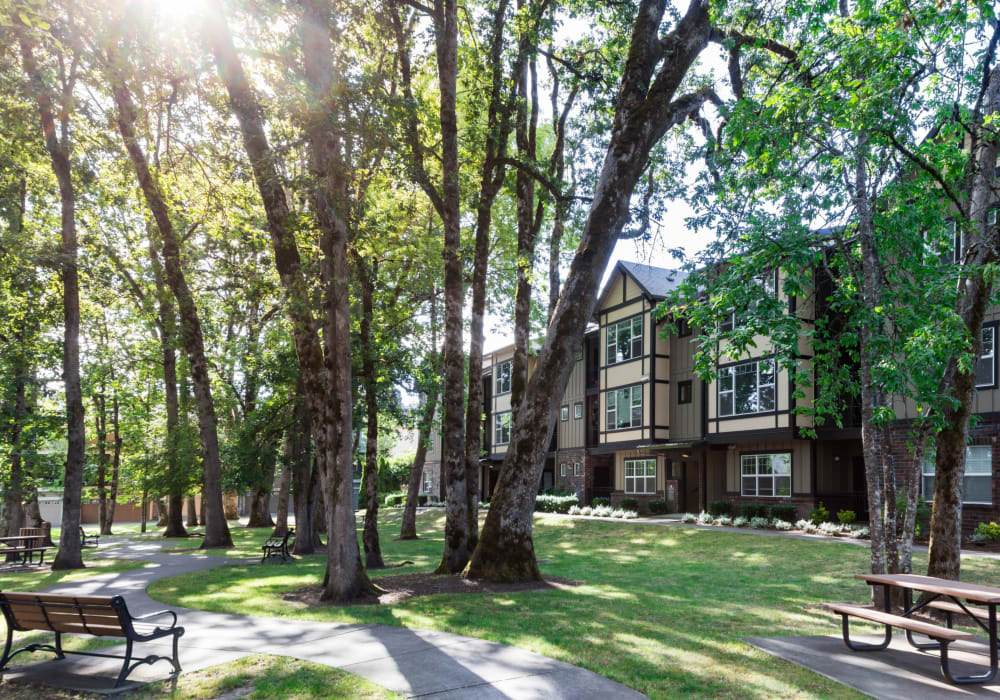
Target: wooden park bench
277	547
96	616
89	540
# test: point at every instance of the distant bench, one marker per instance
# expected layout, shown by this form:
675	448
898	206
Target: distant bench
23	547
277	547
96	616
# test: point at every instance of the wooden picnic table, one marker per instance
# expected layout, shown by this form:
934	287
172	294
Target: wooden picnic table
952	597
23	546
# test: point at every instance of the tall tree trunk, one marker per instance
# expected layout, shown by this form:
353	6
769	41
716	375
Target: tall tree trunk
369	378
116	458
101	426
647	107
284	485
69	555
944	557
216	529
14	493
192	511
32	513
324	373
260	503
305	482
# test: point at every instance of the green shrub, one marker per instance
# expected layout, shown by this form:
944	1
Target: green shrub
555	504
718	508
629	504
421	499
657	507
601	501
753	510
558	490
923	514
785	511
990	531
846	517
820	514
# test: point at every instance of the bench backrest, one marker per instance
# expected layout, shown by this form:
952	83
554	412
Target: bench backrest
101	616
288	533
36	533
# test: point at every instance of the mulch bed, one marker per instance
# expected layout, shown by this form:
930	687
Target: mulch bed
405	586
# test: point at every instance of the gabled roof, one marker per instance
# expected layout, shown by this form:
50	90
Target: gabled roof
655	282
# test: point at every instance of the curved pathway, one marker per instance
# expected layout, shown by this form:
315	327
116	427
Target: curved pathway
414	663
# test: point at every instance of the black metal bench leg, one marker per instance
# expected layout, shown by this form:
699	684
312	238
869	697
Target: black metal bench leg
176	660
59	651
6	648
125	664
857	646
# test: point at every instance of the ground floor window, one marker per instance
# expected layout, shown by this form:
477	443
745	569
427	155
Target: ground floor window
576	469
640	476
428	482
978	487
766	475
562	469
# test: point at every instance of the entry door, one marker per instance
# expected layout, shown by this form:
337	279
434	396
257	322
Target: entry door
690	487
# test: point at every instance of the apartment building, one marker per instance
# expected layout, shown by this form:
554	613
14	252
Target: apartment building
637	422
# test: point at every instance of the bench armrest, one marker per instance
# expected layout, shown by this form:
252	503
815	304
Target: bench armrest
158	613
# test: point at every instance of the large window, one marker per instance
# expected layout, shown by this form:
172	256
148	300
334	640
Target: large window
501	428
746	388
640	476
986	362
428	482
502	382
625	408
766	475
624	340
978	486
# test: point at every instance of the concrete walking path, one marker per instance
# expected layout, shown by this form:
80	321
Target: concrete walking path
413	663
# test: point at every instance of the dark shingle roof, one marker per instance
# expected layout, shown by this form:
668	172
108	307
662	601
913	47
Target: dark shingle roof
655	281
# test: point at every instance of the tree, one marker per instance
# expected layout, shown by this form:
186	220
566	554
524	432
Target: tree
53	105
648	105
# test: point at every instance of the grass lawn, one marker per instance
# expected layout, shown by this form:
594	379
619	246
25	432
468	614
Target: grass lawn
257	677
660	609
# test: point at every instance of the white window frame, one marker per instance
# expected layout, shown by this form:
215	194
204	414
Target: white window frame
576	469
428	482
757	468
613	334
980	457
987	339
726	385
562	469
564	412
504	372
501	422
611	409
578	410
640	474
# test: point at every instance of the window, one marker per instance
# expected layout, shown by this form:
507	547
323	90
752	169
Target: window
991	216
576	469
625	408
684	391
640	476
956	239
766	475
746	388
624	340
683	328
501	428
768	284
986	362
978	487
564	413
562	469
504	370
428	482
577	410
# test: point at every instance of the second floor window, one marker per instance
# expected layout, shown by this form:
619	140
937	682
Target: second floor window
746	388
684	391
624	340
986	362
504	370
501	428
577	410
625	408
428	482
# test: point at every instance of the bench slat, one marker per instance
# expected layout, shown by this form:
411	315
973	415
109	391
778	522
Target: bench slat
925	628
948	606
58	598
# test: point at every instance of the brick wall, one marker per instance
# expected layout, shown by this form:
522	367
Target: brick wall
803	504
579	484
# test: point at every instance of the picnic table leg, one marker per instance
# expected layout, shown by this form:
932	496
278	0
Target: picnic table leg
907	610
860	646
985	677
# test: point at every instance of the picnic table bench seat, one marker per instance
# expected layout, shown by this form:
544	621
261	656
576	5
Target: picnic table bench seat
93	615
277	547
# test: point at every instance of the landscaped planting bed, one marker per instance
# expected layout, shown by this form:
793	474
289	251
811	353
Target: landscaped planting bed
761	523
